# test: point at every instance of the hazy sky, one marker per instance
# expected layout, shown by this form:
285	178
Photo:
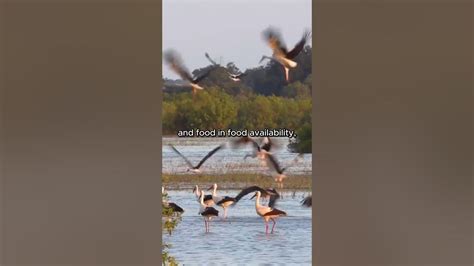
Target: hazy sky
229	29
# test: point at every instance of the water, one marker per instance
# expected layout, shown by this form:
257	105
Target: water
227	160
241	240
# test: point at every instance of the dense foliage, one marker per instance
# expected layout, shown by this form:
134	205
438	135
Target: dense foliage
170	221
262	99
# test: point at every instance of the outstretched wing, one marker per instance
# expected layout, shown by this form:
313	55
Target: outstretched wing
210	59
272	162
182	156
209	155
174	61
273	38
299	46
307	201
196	80
245	140
248	190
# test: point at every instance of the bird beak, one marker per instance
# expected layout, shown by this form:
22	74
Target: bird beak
210	187
194	190
253	196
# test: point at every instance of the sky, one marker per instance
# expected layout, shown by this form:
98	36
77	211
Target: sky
229	30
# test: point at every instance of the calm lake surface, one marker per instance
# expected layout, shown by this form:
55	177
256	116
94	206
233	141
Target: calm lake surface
241	239
227	160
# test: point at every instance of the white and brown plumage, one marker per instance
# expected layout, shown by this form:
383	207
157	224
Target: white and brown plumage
267	213
207	212
270	194
223	202
176	64
208	201
280	52
233	76
196	168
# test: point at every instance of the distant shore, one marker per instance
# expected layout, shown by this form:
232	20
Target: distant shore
233	181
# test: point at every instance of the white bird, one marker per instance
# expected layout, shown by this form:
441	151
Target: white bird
207	212
207	198
233	76
267	213
175	63
224	202
196	168
280	52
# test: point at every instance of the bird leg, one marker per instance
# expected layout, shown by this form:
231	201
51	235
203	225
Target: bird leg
225	213
266	227
274	223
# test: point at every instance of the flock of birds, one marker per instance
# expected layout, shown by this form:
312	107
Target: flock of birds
272	37
268	212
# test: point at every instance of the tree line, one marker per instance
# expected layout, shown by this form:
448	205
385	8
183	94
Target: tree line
262	99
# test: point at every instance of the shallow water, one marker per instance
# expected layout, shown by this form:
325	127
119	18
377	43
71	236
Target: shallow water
227	160
241	240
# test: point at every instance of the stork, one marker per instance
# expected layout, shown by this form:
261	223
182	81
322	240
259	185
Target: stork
233	76
224	202
267	213
206	212
171	205
207	198
174	61
196	168
280	52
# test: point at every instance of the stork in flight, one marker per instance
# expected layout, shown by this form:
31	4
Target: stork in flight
224	202
176	64
196	168
233	76
280	52
275	166
260	150
267	213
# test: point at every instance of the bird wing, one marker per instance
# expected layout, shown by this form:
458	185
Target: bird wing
274	164
209	155
273	199
210	59
196	80
176	64
245	140
248	190
275	212
273	38
182	156
299	46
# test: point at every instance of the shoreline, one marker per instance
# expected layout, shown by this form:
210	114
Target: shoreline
233	181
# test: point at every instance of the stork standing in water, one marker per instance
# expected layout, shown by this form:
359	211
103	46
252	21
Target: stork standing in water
174	61
196	168
206	212
280	52
173	206
208	201
267	213
224	202
233	76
